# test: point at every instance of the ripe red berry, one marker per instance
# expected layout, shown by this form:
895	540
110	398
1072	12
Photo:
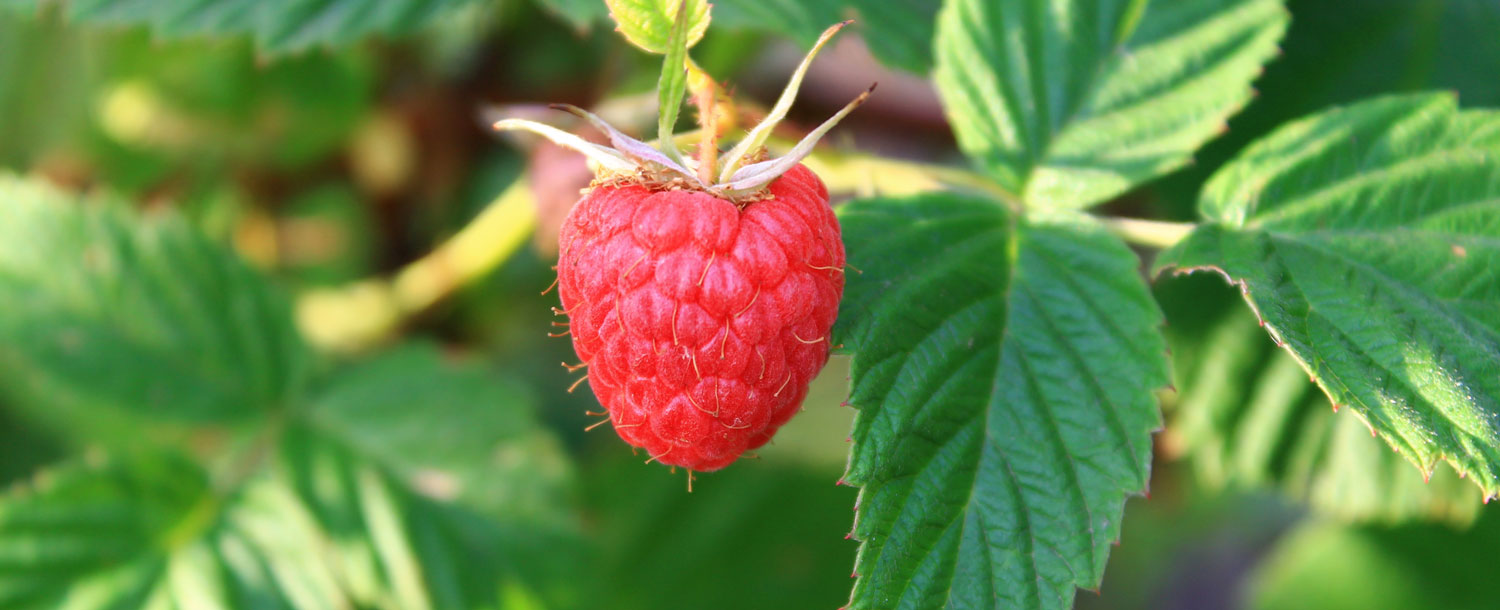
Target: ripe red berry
701	322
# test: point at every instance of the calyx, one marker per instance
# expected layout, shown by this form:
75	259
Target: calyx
738	175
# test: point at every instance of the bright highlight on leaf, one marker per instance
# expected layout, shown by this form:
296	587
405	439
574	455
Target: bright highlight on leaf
648	23
1069	103
1004	371
1364	237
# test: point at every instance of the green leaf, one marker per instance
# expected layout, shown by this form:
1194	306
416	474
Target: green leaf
1068	103
671	85
802	20
1365	239
277	27
899	32
1325	566
414	485
492	456
582	14
1248	416
648	23
107	312
1003	370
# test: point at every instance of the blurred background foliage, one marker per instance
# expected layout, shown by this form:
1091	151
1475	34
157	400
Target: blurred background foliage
435	459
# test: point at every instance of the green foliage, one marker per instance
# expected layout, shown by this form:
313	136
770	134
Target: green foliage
277	28
1362	237
1069	105
404	482
648	23
1249	417
899	32
107	314
1324	566
801	20
1004	369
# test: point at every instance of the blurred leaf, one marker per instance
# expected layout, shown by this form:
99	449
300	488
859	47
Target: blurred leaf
108	314
802	20
1364	238
778	529
1003	370
458	432
648	23
326	236
582	14
411	484
200	102
45	76
277	27
899	32
1249	416
1324	566
1067	104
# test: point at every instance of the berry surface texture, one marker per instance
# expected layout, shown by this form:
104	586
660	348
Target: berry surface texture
702	322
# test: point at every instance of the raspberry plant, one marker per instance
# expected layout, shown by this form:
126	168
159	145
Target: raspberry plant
1011	328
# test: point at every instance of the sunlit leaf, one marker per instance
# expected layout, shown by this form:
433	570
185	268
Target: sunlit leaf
1364	237
1069	103
1003	369
648	23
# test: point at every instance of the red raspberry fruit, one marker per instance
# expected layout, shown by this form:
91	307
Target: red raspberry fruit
700	292
701	323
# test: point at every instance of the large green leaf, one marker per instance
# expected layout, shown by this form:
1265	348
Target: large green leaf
278	27
1365	238
454	430
1003	370
1069	103
355	508
1248	416
108	312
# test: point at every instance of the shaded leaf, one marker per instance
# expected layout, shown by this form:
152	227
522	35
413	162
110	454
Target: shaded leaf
277	27
453	431
1067	104
802	20
1003	370
899	32
1364	237
108	312
582	14
1248	416
1326	566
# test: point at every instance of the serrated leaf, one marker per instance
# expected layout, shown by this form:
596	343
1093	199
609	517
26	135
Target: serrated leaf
1069	103
1249	417
362	507
899	32
148	531
648	23
277	27
1003	370
108	312
1365	239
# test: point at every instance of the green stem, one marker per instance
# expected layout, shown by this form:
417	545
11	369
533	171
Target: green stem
1157	234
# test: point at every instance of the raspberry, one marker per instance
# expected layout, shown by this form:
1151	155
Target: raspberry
701	323
700	292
